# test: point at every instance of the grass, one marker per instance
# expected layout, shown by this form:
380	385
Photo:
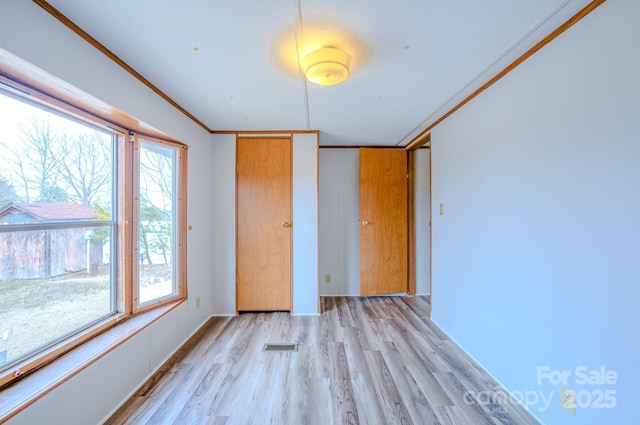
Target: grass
36	311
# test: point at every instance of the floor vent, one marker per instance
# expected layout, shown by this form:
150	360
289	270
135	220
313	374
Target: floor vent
281	347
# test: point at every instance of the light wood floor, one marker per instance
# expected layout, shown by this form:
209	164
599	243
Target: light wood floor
376	360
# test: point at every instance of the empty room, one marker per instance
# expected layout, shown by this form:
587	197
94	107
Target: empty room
319	212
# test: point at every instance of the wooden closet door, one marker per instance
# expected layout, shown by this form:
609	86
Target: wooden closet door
383	221
263	256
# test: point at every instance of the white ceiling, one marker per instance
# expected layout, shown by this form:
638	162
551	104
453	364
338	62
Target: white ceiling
412	59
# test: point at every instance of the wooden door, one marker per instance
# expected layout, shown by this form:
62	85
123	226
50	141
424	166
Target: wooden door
383	221
263	256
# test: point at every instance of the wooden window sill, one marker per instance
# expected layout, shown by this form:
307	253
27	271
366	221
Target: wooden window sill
27	390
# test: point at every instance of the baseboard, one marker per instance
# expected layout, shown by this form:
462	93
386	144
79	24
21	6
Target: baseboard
508	390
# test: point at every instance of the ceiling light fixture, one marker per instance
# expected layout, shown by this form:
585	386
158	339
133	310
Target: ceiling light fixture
326	66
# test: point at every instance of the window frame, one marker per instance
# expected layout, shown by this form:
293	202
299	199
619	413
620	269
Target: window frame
180	224
35	86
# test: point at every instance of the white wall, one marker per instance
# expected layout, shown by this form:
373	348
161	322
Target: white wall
422	181
224	230
536	258
339	228
29	32
305	224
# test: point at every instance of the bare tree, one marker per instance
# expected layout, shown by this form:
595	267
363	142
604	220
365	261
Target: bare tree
33	164
83	164
156	194
37	156
156	171
61	166
7	192
19	169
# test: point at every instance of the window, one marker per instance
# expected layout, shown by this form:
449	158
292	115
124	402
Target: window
158	213
80	198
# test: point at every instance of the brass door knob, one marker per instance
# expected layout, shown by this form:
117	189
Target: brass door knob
364	222
286	224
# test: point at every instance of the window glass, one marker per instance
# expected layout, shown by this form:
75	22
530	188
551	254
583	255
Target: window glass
56	227
157	221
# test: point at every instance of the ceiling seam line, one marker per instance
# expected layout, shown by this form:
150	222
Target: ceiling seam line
440	111
298	34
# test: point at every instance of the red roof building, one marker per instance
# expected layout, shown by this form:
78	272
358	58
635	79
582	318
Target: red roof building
27	212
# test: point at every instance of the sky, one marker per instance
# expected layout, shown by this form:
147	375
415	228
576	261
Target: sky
13	113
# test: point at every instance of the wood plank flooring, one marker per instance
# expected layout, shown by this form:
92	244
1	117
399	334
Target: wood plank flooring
376	360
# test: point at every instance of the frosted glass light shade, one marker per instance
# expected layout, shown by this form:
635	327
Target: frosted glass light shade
326	66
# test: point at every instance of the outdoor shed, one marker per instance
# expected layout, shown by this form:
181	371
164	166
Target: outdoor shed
42	254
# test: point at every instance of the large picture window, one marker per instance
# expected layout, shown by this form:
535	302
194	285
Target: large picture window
79	199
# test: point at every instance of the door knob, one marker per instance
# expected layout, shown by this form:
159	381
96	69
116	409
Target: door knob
364	222
286	224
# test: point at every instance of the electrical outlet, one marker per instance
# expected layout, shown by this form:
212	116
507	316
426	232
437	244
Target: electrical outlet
198	301
327	278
